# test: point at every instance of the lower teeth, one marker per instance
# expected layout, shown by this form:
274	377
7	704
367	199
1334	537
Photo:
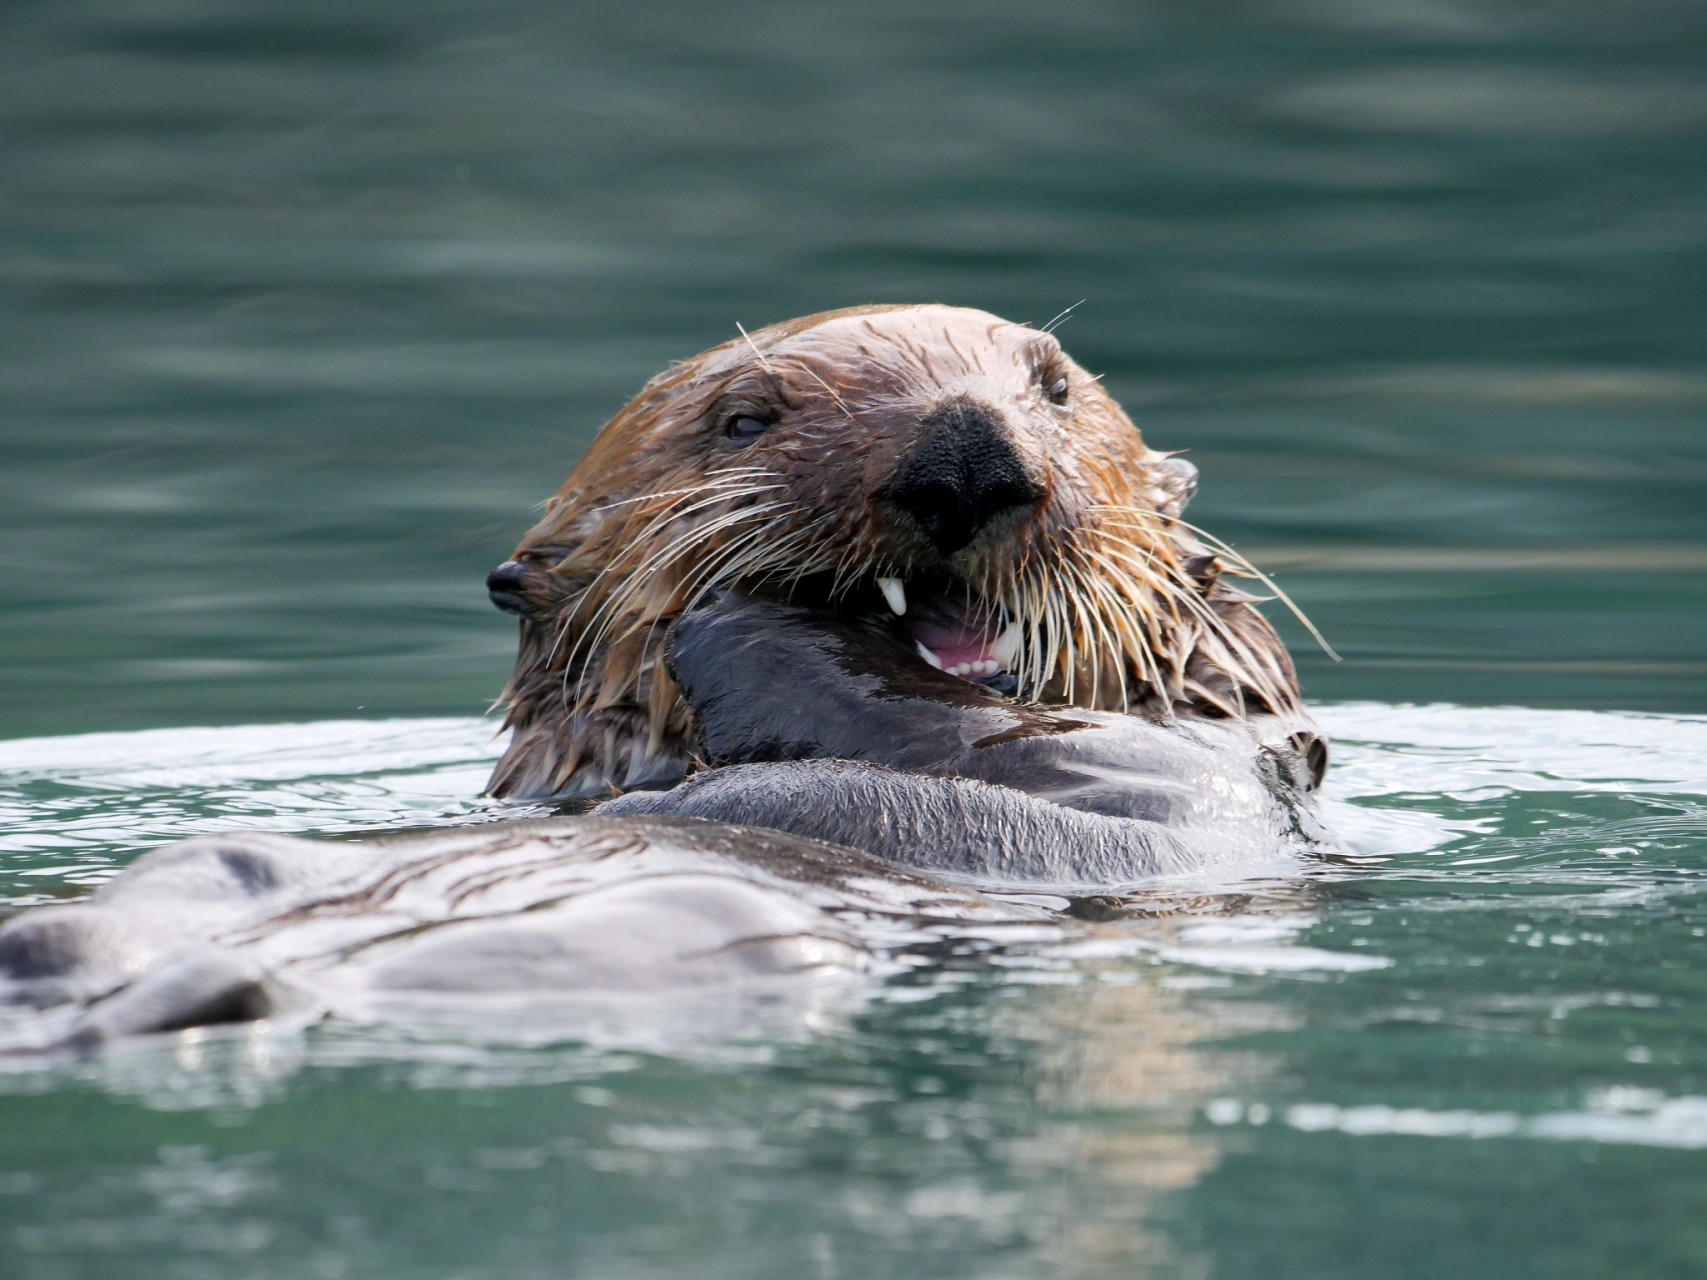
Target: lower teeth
982	667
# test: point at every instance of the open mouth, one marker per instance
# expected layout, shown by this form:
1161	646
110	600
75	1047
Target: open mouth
955	631
946	624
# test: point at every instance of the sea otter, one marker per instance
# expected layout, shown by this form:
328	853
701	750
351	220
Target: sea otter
883	606
934	465
952	497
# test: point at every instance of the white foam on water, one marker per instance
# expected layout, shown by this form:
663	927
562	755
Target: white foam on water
1231	944
1476	752
317	774
1622	1115
202	757
73	808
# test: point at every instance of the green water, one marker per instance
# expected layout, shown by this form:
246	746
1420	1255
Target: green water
303	306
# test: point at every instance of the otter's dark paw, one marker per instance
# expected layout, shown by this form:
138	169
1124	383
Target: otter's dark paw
774	680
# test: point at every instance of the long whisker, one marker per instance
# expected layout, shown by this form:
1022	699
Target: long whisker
1267	581
724	563
623	596
1245	566
766	364
813	374
1050	327
695	488
670	554
1112	578
670	511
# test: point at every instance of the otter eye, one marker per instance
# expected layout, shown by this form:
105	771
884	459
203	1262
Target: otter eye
744	427
1058	391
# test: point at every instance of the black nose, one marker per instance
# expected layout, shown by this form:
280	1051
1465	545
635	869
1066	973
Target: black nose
505	585
964	474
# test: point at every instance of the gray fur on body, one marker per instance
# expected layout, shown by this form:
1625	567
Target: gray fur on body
961	826
540	916
850	738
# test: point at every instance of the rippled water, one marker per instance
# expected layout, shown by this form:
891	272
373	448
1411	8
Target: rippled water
303	306
1484	1029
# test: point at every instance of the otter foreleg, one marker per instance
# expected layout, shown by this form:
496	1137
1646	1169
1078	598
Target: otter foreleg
958	825
978	783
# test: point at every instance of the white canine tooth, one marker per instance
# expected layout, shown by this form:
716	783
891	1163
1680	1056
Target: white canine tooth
928	656
1006	648
895	594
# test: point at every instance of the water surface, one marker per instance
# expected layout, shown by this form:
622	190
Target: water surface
302	308
1487	1028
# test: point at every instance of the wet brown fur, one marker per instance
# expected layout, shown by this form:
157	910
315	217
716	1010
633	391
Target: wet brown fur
1122	604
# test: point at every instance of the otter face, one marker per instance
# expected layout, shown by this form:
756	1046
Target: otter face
934	465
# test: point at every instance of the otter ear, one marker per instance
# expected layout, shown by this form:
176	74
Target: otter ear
558	750
1176	481
507	585
526	586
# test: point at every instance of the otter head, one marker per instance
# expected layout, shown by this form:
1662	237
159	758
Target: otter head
937	466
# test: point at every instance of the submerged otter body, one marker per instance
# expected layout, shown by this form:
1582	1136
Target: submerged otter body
525	930
875	615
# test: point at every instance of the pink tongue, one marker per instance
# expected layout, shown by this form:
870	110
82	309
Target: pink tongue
949	629
952	652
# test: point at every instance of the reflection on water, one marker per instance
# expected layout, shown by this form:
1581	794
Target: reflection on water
920	1140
